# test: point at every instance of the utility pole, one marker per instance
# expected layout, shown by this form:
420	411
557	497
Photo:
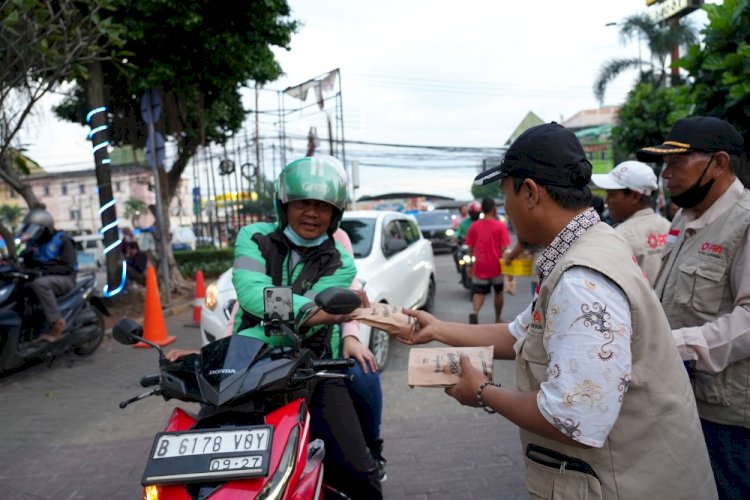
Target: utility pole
150	111
675	79
258	179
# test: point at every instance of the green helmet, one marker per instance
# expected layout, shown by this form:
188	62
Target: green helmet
319	178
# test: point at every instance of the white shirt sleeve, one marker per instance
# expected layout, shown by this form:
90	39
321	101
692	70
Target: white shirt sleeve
587	338
518	326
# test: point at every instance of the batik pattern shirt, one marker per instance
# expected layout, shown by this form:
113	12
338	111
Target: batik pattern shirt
587	337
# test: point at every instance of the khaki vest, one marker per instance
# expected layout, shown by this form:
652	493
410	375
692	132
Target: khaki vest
693	286
646	233
656	447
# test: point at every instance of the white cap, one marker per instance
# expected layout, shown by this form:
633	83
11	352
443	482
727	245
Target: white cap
631	174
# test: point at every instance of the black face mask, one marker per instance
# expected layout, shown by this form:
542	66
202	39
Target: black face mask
695	193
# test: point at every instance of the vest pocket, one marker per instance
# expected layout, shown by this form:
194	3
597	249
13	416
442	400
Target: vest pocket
553	475
708	290
713	389
699	286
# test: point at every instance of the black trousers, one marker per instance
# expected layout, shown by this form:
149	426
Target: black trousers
349	467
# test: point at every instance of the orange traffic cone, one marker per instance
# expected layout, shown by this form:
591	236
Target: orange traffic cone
200	295
154	327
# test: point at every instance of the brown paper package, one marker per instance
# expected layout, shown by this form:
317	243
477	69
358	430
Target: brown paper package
388	318
440	367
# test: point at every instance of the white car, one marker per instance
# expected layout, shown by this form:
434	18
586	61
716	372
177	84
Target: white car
90	251
394	261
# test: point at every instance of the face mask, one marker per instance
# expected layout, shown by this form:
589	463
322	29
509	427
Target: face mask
302	242
695	193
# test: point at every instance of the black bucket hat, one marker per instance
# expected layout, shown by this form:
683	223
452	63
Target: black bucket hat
698	133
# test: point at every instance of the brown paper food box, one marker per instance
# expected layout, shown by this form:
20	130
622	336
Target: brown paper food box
440	367
388	318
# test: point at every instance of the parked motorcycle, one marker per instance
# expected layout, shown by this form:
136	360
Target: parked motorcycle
251	437
21	320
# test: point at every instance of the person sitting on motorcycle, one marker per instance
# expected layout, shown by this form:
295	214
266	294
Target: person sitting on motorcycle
299	251
50	255
475	209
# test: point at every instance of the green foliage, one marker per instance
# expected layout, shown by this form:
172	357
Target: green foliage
198	54
45	43
211	262
491	190
10	215
52	41
647	116
659	38
720	67
134	207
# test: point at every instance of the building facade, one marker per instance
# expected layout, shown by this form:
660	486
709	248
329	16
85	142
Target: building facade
72	198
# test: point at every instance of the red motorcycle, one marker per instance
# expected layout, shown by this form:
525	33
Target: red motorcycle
251	437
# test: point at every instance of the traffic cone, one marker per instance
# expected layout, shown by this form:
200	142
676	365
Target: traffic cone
200	296
154	327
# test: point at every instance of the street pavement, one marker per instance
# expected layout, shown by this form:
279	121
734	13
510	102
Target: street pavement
63	436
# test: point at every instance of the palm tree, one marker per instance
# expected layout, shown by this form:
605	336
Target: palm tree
134	207
9	215
660	39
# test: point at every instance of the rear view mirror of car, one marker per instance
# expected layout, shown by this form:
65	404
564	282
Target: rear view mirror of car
394	245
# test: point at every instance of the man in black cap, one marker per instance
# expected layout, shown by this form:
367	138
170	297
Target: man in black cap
603	401
704	285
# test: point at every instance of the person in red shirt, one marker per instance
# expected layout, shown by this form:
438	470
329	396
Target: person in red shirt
487	239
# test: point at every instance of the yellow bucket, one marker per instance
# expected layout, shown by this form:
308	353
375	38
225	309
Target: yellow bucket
518	267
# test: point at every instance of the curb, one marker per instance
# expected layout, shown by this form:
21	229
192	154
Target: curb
169	311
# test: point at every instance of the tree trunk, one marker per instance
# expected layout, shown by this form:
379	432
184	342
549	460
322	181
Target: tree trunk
95	93
10	245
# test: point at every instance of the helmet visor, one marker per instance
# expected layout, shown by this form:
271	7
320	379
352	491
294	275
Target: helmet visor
30	232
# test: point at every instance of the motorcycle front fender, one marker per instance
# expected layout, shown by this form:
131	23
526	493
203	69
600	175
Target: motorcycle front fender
283	420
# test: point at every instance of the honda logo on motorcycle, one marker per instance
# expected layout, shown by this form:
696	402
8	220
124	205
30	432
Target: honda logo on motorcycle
223	371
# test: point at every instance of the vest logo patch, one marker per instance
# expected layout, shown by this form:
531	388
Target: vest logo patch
713	250
537	320
656	240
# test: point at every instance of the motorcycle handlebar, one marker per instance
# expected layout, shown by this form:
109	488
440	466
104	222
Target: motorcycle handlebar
15	275
333	364
150	380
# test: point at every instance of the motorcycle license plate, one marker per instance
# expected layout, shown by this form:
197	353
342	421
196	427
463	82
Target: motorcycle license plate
202	455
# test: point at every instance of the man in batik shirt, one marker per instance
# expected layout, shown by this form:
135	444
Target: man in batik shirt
603	402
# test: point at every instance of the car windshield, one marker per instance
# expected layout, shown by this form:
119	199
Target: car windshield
434	218
361	232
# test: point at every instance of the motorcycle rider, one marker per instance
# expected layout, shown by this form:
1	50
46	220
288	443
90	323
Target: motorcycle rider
299	251
51	255
475	209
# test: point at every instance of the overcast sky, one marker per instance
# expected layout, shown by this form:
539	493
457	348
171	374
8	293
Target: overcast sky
424	72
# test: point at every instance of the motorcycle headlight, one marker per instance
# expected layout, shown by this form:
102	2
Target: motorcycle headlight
151	492
212	296
449	232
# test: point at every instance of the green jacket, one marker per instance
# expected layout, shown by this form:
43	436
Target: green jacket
463	228
264	257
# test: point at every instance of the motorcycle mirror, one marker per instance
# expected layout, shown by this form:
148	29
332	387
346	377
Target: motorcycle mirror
337	300
127	332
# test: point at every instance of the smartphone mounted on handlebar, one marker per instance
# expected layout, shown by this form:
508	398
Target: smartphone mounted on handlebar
278	309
